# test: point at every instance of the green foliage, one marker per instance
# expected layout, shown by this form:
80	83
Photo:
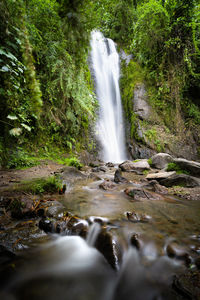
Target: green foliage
131	76
20	159
150	161
150	33
71	161
175	167
39	186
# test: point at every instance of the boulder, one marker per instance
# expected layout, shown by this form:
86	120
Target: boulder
118	177
157	188
181	180
137	166
191	166
139	194
160	175
107	185
71	174
160	160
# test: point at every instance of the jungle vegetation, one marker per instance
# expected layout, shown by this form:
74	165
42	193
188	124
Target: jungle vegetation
47	104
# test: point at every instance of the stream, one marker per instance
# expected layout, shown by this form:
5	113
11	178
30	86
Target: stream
67	266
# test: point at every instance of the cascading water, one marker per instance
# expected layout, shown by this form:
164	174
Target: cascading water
110	129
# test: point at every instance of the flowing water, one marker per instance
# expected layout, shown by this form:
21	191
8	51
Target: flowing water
69	267
106	71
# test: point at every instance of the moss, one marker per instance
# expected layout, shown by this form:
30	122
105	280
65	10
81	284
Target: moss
175	167
131	75
145	172
39	186
150	161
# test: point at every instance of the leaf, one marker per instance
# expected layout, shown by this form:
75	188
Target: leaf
12	117
15	131
26	126
4	69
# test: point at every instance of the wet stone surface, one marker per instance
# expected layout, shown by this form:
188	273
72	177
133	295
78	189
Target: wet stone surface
128	216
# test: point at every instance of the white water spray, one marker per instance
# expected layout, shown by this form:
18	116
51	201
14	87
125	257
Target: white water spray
110	129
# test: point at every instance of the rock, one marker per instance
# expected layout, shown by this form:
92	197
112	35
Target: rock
140	166
191	166
140	151
156	187
175	251
134	217
140	106
22	207
107	247
110	165
71	174
181	180
97	219
138	194
80	228
160	175
54	210
95	164
100	169
118	177
107	185
46	225
160	160
134	240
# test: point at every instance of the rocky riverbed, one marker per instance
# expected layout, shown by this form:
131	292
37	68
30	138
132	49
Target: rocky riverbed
137	205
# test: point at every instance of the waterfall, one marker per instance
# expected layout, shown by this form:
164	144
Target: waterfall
106	71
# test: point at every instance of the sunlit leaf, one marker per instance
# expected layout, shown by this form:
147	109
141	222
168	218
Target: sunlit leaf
15	131
12	117
26	126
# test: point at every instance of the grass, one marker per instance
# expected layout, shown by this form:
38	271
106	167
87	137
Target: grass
51	184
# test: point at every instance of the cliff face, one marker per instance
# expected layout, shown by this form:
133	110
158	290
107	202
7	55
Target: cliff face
152	128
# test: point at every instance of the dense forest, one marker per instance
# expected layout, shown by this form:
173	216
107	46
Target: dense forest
48	104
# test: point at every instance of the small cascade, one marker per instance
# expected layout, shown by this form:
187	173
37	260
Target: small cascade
93	234
106	71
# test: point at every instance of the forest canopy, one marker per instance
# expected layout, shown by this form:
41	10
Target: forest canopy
46	91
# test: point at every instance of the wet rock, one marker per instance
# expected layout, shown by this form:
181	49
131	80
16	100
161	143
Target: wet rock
135	241
97	219
118	177
181	180
156	187
134	217
175	251
100	169
140	106
138	166
80	228
107	185
107	247
138	194
160	175
160	160
191	166
95	164
54	209
110	165
46	225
